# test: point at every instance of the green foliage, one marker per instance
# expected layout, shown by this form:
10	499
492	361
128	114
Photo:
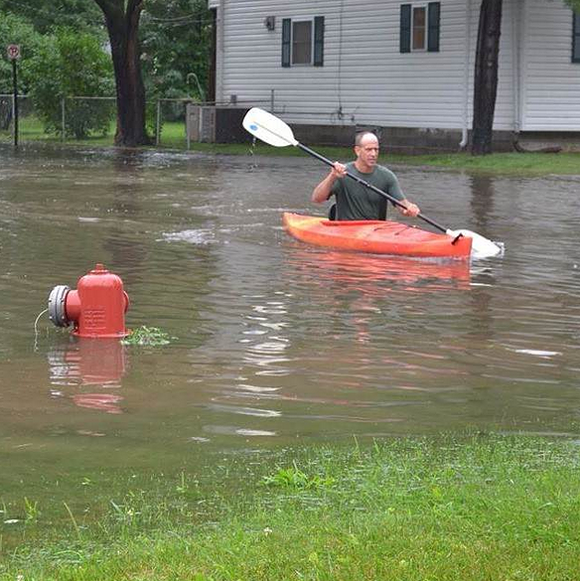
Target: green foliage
176	38
31	510
574	4
16	30
295	478
82	15
71	63
152	336
479	508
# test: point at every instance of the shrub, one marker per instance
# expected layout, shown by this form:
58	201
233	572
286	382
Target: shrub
70	64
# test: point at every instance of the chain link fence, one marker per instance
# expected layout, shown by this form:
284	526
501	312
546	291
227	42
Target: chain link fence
89	119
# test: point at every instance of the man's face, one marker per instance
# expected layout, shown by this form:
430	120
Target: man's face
368	150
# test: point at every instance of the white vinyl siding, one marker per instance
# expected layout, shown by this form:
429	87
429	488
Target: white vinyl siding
551	98
366	80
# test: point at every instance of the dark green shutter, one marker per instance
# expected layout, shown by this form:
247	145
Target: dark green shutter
433	18
576	39
405	32
318	41
286	39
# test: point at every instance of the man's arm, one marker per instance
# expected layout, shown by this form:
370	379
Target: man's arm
394	190
323	190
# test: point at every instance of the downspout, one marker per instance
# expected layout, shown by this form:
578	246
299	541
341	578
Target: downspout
516	75
220	52
465	130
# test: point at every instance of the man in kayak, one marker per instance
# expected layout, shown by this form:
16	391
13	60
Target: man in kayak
355	201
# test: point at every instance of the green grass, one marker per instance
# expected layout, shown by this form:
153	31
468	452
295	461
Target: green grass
150	336
484	508
173	137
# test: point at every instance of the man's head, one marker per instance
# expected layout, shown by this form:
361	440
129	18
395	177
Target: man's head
366	149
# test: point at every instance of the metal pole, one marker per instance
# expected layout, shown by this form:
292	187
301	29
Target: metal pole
272	100
187	125
62	119
158	129
15	102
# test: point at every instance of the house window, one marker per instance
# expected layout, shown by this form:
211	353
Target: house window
418	28
303	42
576	38
420	25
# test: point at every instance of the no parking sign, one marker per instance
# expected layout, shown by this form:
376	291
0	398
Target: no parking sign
13	51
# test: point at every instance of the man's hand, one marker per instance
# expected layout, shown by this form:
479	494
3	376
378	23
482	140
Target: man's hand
323	190
338	170
410	210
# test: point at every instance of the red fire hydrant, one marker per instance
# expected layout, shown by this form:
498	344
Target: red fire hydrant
97	308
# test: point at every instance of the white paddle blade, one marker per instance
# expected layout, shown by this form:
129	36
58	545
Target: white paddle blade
268	128
480	247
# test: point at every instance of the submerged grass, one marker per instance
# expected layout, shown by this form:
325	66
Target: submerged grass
150	336
173	137
485	508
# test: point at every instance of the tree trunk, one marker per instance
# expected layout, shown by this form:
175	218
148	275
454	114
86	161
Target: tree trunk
123	28
485	81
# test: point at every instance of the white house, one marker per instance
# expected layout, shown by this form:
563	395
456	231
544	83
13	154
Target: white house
405	67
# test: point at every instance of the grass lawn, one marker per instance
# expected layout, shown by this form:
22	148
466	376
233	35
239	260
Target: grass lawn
173	137
475	508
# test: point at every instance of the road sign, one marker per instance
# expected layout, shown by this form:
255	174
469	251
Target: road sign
13	51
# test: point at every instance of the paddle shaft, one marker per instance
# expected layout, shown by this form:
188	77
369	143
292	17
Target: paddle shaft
370	186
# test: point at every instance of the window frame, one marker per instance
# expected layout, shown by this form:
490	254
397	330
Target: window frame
317	33
432	26
420	6
300	21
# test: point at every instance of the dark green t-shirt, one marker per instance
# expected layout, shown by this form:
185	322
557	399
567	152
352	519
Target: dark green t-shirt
357	202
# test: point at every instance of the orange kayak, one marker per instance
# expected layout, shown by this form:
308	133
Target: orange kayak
375	236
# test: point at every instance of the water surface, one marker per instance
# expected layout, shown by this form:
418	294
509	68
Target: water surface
277	343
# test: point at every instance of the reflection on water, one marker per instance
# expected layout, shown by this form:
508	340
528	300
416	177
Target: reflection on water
276	340
83	364
371	272
482	201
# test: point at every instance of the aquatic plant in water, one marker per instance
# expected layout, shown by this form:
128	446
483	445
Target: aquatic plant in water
147	336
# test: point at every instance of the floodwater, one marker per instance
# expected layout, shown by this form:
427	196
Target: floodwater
276	343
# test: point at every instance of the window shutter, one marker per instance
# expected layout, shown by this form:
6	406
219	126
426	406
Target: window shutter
286	38
576	39
405	32
318	41
434	9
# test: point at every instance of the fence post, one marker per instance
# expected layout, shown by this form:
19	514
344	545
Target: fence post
62	118
271	100
15	103
14	136
187	135
158	128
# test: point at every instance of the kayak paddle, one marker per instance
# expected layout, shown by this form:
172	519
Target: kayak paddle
274	131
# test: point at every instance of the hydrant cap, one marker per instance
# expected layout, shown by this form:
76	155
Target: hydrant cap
99	269
56	305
